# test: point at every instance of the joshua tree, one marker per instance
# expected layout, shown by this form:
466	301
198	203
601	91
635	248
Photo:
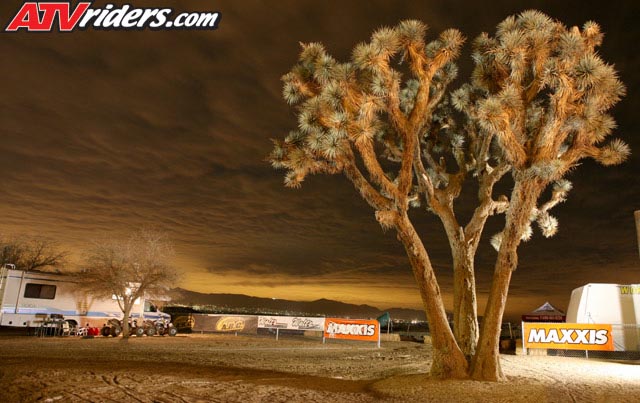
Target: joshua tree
348	112
542	93
129	269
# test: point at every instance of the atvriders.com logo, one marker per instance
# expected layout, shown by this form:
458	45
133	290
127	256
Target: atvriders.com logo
47	16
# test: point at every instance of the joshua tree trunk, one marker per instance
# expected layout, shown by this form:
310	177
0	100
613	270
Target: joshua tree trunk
464	244
486	363
448	359
465	310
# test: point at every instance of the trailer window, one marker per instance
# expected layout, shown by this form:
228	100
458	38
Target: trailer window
42	291
149	307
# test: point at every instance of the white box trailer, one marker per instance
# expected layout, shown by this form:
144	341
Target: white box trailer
28	297
615	304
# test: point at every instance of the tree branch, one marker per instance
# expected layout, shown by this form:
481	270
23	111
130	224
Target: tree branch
549	139
557	197
367	152
370	194
487	206
393	96
514	150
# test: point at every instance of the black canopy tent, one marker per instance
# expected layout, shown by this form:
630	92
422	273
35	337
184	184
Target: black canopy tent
545	313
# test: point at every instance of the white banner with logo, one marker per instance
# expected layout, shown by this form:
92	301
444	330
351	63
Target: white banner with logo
290	322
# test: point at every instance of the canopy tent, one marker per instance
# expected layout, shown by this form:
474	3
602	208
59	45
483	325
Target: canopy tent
545	313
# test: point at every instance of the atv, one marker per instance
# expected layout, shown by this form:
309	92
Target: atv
113	327
160	327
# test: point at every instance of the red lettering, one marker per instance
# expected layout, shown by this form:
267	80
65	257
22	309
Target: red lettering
66	20
29	18
71	20
49	14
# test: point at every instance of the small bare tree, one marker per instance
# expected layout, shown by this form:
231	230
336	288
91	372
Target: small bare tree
30	253
129	269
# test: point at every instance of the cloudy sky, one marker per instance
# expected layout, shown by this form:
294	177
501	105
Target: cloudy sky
105	132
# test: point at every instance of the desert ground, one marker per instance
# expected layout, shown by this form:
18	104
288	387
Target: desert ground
227	368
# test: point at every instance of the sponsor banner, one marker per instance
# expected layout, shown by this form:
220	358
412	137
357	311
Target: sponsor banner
290	322
225	323
352	329
568	336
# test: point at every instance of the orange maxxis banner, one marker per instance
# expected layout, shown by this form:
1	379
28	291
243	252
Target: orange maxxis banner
352	329
568	336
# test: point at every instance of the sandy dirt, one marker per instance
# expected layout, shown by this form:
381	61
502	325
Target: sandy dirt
222	368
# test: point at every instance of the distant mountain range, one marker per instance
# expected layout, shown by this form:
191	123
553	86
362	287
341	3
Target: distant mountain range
239	303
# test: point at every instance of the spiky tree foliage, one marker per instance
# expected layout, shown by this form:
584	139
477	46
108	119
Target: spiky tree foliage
541	93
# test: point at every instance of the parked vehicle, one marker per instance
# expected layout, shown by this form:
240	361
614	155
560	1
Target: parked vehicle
113	327
158	327
27	298
605	303
184	323
615	304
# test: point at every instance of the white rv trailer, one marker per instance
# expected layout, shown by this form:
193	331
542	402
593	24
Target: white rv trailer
615	304
28	297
